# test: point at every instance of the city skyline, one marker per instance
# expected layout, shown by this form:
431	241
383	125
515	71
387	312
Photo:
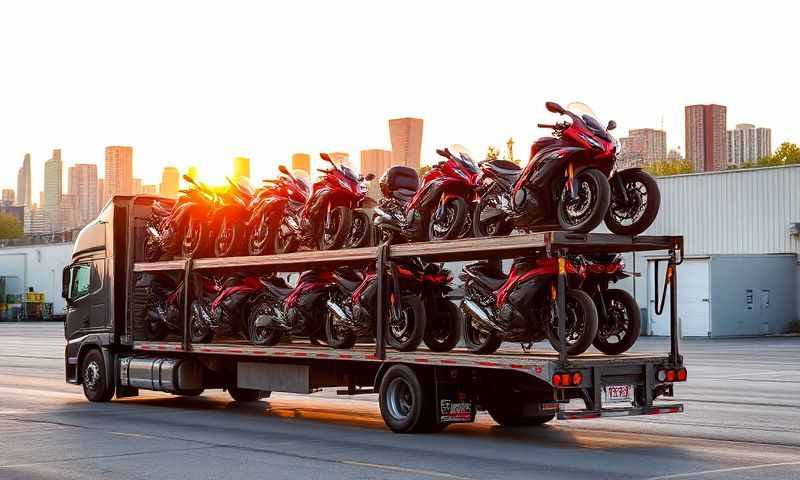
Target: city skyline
280	105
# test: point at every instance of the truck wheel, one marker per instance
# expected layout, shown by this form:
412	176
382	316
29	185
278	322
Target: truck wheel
247	394
406	407
507	409
93	377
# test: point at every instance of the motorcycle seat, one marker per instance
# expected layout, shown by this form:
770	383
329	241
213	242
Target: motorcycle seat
348	278
504	168
278	287
487	276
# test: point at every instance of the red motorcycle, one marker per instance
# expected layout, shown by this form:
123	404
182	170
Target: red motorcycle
229	218
285	196
565	184
327	217
301	314
438	209
521	306
619	314
194	217
162	312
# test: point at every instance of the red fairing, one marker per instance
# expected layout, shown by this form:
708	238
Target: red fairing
544	266
232	291
309	281
447	175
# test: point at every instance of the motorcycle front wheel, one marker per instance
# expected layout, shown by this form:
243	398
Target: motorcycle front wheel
200	330
584	209
405	333
496	226
581	323
633	216
284	243
360	234
261	236
260	335
449	223
336	334
194	238
623	323
443	325
227	239
334	231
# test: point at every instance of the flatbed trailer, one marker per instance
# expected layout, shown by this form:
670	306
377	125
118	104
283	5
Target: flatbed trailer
419	390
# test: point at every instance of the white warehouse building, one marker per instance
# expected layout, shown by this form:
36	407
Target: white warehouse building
741	274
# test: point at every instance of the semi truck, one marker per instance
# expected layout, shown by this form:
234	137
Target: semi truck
108	354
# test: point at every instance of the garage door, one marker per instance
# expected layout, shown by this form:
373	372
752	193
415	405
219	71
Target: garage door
693	305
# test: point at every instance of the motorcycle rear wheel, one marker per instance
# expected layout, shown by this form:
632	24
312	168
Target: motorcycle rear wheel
262	335
497	227
585	213
477	341
443	325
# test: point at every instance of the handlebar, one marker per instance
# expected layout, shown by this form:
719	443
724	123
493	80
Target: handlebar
324	170
545	125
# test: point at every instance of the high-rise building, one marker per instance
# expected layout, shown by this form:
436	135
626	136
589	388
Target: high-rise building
8	197
68	213
101	194
706	139
375	161
170	179
301	161
118	171
643	146
53	181
137	186
748	144
24	188
241	168
83	184
36	222
406	136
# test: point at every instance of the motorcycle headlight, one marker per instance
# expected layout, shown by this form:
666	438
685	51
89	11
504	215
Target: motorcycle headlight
592	142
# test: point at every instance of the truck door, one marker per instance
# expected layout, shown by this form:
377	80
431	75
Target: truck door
85	299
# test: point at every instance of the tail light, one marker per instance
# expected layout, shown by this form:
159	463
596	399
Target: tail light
567	379
670	375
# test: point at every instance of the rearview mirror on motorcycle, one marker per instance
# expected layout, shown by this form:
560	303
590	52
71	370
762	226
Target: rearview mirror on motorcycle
611	125
285	171
369	177
553	107
189	179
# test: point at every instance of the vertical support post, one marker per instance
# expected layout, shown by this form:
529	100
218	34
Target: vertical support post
380	310
561	308
672	279
187	304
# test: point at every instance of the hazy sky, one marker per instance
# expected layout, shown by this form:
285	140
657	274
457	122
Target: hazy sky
199	83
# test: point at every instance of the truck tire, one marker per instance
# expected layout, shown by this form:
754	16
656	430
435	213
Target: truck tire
94	377
247	394
506	410
406	407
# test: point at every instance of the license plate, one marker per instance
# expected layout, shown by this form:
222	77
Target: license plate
618	393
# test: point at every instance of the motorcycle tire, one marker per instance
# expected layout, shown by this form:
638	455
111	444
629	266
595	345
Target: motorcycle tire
152	249
262	245
498	228
443	328
261	335
620	307
339	338
284	245
360	234
193	243
199	330
338	237
596	211
401	336
231	246
638	184
154	325
477	341
580	308
460	210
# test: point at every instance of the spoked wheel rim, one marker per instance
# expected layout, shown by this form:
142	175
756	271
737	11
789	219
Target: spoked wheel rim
476	336
402	328
574	322
260	334
627	214
258	238
618	323
199	326
336	330
192	235
332	224
443	223
358	231
399	398
91	376
225	237
578	208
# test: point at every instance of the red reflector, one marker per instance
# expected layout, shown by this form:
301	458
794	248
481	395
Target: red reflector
565	379
557	380
577	378
682	375
670	375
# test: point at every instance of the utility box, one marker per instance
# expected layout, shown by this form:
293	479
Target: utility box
728	295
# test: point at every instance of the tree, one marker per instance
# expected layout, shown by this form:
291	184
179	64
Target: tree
9	227
669	167
786	154
423	170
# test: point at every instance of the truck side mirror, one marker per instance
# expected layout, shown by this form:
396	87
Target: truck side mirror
65	283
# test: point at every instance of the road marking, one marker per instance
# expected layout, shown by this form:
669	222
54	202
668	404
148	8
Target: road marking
395	468
723	470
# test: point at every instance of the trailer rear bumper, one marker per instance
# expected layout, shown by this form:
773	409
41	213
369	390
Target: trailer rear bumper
620	412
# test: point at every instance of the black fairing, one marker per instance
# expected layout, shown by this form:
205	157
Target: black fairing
347	278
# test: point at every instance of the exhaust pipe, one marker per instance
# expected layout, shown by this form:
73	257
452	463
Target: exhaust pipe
477	313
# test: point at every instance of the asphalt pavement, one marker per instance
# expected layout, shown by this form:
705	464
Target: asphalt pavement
742	421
